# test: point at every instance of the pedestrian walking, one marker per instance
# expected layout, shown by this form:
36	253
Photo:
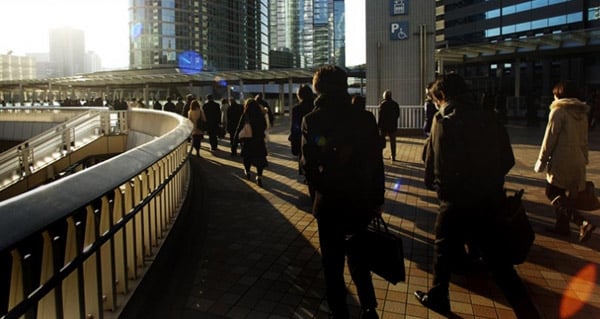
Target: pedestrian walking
564	156
342	158
254	149
467	158
389	112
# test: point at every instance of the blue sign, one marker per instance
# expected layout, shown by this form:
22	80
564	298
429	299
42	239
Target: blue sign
398	7
399	30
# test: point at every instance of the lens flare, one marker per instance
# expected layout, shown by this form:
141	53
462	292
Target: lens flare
220	81
578	291
136	30
190	62
396	186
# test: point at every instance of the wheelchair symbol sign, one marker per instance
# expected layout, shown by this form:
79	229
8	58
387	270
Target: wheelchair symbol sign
399	30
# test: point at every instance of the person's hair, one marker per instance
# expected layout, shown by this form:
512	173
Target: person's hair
387	95
565	89
359	101
194	105
330	79
250	102
209	97
304	92
225	101
428	94
449	87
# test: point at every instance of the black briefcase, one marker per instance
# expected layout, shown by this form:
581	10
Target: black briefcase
382	250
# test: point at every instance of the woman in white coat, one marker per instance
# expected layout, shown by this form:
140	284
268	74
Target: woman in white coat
564	156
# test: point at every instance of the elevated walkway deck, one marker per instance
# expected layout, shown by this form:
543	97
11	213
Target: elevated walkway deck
241	251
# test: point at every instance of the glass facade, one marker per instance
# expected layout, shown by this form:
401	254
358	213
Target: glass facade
312	31
486	20
227	34
520	48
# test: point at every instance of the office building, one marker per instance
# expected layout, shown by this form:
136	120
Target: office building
13	67
219	34
67	51
520	48
312	31
400	45
92	62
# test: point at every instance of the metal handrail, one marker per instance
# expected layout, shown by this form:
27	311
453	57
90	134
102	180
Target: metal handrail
50	146
411	116
89	233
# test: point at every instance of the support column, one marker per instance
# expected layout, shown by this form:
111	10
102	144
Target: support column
241	91
290	97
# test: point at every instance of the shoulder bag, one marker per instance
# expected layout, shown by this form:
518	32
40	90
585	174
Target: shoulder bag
246	131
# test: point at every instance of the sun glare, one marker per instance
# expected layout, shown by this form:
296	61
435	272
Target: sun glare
105	23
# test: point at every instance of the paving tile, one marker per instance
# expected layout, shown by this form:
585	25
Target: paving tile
261	258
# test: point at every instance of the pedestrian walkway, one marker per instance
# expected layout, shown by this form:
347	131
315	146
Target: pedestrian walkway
241	251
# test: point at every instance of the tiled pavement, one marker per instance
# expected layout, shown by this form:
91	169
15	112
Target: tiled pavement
241	251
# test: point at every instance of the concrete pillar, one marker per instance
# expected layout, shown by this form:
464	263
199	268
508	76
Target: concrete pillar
290	96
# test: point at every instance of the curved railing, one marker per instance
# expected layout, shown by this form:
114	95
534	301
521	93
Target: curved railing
75	248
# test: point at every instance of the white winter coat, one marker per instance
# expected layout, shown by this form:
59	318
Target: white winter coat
565	144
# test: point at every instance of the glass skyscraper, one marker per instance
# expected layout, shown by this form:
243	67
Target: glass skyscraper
311	31
226	34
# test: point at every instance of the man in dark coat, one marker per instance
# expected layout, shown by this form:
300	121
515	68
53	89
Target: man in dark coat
389	112
212	111
341	155
234	113
467	157
186	107
305	104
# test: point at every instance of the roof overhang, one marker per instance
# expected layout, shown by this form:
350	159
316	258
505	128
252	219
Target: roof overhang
551	44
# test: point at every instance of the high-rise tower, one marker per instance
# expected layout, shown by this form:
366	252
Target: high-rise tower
312	31
67	51
226	34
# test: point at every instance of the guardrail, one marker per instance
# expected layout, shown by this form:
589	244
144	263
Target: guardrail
77	247
411	116
43	150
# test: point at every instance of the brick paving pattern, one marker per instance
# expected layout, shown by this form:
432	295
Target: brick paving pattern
255	251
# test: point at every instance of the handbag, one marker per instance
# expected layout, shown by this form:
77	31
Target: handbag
586	199
382	251
246	131
513	229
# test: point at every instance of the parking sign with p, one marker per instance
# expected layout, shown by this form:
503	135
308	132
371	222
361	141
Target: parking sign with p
399	30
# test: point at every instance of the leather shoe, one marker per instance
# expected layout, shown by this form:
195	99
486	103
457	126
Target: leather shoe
441	306
585	231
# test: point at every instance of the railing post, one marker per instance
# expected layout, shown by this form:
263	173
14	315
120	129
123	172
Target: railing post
120	244
91	268
47	307
107	256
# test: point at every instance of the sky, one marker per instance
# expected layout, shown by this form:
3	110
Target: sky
25	24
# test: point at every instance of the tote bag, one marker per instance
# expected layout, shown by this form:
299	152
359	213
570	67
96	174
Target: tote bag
246	131
382	250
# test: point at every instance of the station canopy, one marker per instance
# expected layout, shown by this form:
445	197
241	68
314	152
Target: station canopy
171	76
548	44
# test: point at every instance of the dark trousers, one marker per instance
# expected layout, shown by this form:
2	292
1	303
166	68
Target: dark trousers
213	139
248	165
233	143
392	137
564	213
196	138
332	239
457	224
